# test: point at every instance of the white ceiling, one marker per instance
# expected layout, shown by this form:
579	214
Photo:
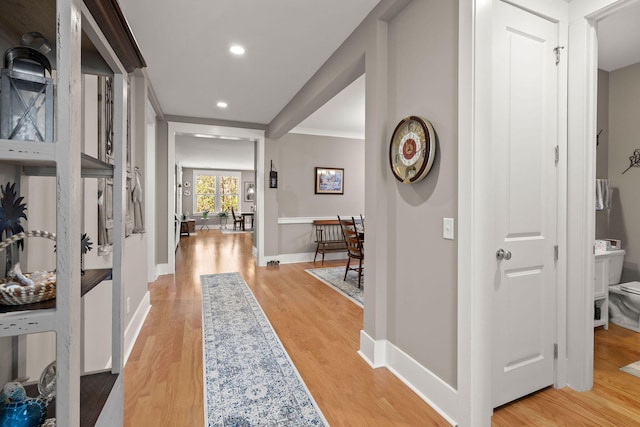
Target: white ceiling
342	116
186	47
190	68
214	153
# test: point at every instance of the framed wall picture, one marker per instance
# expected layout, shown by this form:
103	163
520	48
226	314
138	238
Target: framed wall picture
329	180
249	191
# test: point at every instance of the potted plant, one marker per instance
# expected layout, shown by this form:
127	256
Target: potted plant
205	214
223	218
11	210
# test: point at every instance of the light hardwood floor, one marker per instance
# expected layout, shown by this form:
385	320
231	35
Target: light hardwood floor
320	330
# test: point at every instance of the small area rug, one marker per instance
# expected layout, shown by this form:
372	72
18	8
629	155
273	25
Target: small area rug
249	378
633	369
333	276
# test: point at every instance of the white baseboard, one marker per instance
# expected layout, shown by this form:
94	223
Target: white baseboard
152	274
372	351
134	326
305	257
163	269
429	387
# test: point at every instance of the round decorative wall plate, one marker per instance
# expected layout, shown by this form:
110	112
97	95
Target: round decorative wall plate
412	149
187	184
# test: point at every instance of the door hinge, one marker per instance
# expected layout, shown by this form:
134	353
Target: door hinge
556	50
557	154
555	253
555	351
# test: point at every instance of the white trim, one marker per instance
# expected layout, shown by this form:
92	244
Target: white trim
582	95
259	204
304	257
301	219
175	128
150	188
440	396
561	205
153	274
135	325
476	406
162	269
372	351
437	393
309	219
466	24
327	132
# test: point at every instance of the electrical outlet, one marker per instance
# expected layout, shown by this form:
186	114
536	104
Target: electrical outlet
128	304
447	228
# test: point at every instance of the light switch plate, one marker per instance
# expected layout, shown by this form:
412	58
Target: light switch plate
447	228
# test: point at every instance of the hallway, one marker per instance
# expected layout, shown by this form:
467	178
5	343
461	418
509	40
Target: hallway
320	330
318	327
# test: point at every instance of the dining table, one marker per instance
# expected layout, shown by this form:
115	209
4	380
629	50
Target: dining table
244	218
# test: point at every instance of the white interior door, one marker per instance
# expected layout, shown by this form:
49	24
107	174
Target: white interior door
524	127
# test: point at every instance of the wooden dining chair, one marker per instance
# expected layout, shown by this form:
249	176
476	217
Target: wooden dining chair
355	247
237	219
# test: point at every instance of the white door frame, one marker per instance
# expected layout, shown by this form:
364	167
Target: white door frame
193	128
150	191
582	124
575	366
476	259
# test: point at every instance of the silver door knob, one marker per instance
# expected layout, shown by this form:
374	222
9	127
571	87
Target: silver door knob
502	254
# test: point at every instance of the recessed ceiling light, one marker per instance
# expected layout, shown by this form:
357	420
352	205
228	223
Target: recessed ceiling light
222	104
236	49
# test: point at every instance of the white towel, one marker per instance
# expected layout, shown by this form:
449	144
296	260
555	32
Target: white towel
603	194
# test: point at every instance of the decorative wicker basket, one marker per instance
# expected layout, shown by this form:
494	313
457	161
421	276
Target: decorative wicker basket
20	295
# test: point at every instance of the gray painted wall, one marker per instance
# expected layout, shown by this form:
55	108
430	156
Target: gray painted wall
624	110
271	246
602	152
423	285
411	292
298	156
162	180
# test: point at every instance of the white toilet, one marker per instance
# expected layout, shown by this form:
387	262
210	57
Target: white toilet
624	298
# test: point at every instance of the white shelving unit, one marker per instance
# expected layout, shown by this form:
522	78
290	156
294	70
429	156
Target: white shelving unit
80	44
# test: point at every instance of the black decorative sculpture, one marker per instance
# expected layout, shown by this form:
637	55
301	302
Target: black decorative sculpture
635	159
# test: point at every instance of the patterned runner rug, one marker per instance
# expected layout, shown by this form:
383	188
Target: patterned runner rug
249	378
333	276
